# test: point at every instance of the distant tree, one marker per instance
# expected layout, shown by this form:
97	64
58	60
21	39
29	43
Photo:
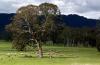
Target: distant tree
28	27
98	35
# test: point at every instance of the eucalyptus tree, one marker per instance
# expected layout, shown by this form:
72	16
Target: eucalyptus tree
28	28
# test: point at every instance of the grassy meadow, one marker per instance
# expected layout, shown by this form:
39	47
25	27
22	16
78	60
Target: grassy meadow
58	55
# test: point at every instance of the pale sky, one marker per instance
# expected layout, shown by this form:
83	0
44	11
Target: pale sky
87	8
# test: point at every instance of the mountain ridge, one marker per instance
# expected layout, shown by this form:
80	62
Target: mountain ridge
71	20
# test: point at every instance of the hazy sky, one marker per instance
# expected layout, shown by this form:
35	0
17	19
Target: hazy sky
87	8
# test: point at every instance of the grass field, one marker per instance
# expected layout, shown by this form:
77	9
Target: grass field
60	56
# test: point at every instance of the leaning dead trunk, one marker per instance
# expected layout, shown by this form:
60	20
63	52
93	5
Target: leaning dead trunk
39	48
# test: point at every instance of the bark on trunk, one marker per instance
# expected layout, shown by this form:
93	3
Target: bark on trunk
39	48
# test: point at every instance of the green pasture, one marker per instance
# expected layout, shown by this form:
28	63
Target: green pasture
53	55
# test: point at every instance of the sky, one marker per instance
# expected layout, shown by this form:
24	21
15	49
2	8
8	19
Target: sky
87	8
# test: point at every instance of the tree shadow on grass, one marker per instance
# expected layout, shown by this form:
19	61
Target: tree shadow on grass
62	57
51	57
8	50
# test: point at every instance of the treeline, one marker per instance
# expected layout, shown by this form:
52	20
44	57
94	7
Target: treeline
76	37
67	36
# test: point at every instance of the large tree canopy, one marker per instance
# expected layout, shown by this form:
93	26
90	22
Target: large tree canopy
32	24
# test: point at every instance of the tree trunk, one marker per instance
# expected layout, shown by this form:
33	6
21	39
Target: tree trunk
98	48
39	48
